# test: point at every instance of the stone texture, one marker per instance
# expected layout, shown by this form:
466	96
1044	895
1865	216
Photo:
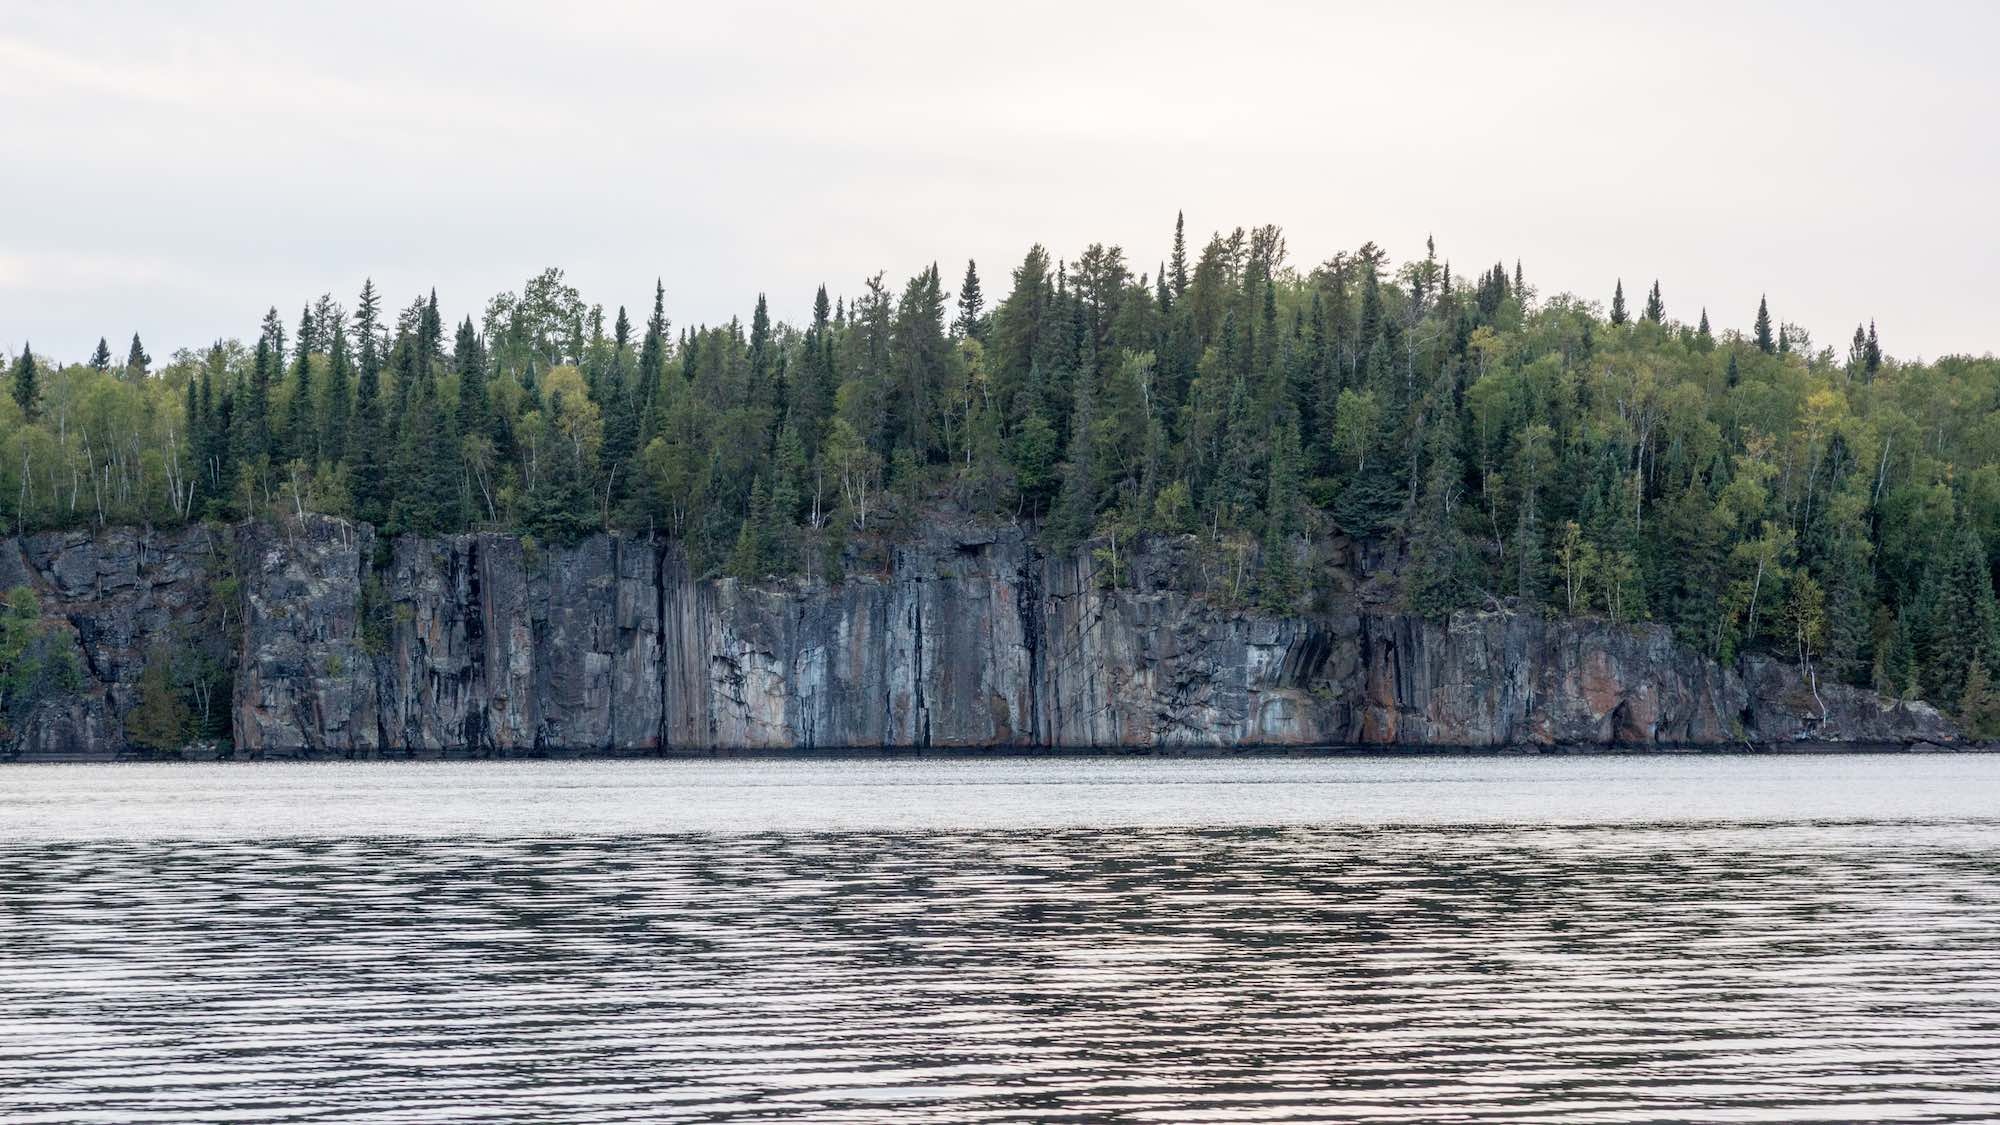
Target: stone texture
113	597
965	638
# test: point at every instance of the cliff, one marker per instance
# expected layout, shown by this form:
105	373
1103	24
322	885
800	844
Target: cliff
967	638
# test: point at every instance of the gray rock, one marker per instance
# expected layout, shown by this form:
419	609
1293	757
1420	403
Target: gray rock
966	638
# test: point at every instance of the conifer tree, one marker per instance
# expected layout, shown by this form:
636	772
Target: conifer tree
1702	333
1179	262
1874	363
1656	309
971	304
100	360
1958	624
1766	342
302	412
27	383
1618	303
1979	704
469	358
751	558
334	432
366	458
1280	579
136	360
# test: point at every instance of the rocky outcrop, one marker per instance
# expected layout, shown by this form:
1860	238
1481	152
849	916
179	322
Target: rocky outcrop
108	602
966	638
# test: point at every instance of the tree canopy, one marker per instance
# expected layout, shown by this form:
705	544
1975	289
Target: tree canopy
1746	487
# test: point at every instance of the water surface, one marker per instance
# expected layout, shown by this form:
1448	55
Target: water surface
1413	939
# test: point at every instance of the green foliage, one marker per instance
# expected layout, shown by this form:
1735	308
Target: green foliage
36	661
1750	492
162	719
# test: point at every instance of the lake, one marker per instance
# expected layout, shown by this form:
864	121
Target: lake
1536	939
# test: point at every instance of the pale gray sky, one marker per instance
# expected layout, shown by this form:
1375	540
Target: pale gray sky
176	168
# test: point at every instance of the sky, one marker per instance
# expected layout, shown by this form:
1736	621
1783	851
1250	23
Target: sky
177	169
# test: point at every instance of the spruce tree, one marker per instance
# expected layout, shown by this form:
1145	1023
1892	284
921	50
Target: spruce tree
1702	332
100	360
1618	303
1179	262
1874	363
473	402
136	360
1656	309
1279	586
1958	625
366	456
27	383
301	431
1766	342
971	303
752	557
333	437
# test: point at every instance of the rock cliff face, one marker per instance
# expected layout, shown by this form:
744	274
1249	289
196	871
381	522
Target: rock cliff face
968	638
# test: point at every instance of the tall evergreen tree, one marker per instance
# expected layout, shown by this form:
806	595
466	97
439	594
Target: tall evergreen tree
339	396
1766	342
1656	309
301	431
100	360
1618	303
136	360
367	435
27	383
971	303
1957	622
1179	262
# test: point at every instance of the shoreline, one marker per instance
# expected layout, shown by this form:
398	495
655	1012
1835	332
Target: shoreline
974	753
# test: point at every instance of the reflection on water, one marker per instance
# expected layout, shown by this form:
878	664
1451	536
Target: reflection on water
1006	968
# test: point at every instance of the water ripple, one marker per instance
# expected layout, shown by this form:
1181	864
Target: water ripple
1769	971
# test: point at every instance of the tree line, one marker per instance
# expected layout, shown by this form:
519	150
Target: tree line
1752	489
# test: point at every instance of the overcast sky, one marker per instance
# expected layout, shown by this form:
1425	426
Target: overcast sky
176	168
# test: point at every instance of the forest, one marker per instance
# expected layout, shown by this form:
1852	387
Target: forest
1753	488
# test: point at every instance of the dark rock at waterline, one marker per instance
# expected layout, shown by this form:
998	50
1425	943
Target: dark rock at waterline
967	638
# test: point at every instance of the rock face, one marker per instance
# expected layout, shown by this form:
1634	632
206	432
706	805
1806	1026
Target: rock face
112	599
967	638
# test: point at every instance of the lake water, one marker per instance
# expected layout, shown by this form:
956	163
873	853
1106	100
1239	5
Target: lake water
1603	939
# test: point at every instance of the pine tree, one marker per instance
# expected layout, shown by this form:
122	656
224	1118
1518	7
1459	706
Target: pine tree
1766	342
760	353
136	360
971	304
1874	363
1979	704
339	377
1734	373
27	383
1958	624
302	413
306	341
752	557
253	433
1618	303
1179	262
469	358
100	360
366	456
1279	587
1656	309
1438	582
1702	333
